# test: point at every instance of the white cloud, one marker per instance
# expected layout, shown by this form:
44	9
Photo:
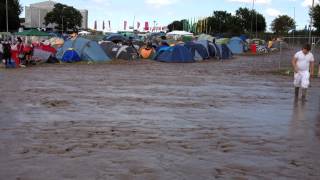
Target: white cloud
160	3
306	3
101	2
250	1
273	12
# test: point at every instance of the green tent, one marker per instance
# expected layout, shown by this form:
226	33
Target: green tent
32	32
222	41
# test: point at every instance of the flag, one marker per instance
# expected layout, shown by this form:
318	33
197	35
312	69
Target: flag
95	25
125	25
109	22
103	25
146	26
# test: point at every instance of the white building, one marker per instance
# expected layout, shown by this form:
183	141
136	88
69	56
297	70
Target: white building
35	13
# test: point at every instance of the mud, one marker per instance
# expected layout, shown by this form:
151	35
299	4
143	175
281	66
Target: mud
149	120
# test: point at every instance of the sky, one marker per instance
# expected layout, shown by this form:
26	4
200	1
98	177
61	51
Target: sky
166	11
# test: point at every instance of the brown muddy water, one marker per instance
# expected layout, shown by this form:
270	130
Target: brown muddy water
149	120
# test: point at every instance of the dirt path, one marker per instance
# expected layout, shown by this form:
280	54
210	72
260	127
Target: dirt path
151	120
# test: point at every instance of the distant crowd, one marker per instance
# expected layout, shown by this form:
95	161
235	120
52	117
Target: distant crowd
18	52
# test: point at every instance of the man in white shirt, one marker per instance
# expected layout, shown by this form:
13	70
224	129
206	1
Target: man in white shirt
303	64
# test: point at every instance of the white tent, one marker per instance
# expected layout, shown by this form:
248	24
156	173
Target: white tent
84	33
180	33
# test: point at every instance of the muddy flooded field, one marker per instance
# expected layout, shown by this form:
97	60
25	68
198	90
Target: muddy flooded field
149	120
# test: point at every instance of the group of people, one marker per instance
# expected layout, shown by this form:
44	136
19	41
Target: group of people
19	52
15	53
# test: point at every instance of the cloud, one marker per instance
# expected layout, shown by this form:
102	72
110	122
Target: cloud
273	12
160	3
101	2
306	3
250	1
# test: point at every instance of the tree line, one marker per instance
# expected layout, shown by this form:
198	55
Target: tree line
245	21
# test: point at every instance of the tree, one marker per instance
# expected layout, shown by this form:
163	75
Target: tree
14	10
282	24
315	15
177	25
65	17
251	20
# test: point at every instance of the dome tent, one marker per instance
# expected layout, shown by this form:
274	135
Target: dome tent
86	49
174	54
237	45
199	52
110	48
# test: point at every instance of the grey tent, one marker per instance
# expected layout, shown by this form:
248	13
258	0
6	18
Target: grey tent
110	48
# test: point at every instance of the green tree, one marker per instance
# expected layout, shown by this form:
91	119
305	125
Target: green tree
282	24
222	22
178	25
14	10
65	17
251	20
315	15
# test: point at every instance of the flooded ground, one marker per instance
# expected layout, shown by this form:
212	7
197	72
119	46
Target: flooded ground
149	120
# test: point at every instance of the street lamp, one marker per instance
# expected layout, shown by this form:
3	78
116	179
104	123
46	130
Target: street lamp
62	19
7	16
311	24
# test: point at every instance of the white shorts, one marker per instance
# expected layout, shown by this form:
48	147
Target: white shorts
302	79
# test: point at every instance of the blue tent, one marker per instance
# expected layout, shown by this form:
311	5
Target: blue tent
214	50
225	52
199	52
86	49
70	56
236	45
175	54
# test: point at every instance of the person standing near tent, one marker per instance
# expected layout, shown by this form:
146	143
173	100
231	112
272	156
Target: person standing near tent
6	52
1	50
303	65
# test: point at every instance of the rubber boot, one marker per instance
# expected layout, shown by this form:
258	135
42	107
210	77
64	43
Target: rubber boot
304	94
296	93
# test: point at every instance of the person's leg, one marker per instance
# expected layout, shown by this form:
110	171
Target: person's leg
296	92
305	82
297	84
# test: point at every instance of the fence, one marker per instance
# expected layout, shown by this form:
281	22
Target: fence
294	44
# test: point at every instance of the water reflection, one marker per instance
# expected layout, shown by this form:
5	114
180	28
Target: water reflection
305	121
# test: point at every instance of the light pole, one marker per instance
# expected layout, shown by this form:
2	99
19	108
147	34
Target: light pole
252	16
311	24
7	18
62	19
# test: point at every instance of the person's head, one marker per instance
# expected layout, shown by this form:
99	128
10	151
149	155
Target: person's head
149	45
19	40
306	48
74	33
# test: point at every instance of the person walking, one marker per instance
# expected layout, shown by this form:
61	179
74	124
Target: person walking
303	65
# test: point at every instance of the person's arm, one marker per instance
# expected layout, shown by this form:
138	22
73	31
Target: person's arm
294	64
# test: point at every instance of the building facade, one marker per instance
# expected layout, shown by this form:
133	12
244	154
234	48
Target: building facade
35	13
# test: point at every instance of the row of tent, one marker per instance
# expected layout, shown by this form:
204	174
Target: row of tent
84	49
192	52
